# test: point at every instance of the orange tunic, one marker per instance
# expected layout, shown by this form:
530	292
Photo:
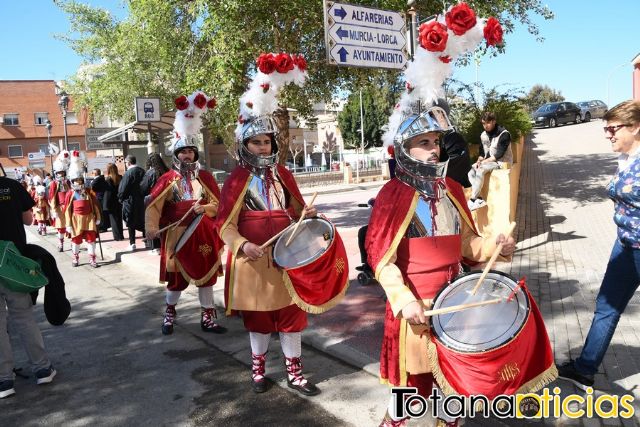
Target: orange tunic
81	213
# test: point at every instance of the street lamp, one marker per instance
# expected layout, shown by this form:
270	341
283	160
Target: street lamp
64	104
609	79
48	126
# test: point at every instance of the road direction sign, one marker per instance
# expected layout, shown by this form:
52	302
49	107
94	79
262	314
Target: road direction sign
92	135
364	37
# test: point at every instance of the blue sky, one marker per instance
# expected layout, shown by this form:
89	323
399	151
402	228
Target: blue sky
587	42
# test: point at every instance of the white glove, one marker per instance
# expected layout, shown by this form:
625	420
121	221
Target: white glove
69	230
97	222
54	215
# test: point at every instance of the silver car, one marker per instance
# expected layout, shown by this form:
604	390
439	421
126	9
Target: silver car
594	109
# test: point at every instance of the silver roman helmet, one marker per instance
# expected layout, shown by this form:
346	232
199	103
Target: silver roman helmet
183	142
414	172
257	126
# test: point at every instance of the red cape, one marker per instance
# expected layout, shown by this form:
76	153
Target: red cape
392	213
169	177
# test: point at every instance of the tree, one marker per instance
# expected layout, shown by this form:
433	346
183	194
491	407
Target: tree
540	94
377	103
167	48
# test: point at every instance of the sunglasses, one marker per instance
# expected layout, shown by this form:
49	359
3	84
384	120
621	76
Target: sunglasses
613	129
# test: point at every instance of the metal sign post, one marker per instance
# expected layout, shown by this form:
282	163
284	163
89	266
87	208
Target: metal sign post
364	37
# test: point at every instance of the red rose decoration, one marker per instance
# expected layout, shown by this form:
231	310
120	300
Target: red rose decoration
284	63
433	36
460	19
240	119
266	63
200	101
182	103
300	62
249	104
493	32
212	103
265	87
446	59
391	151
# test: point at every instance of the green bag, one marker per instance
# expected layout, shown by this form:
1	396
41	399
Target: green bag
19	273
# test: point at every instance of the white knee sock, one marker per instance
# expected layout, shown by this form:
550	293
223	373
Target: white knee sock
205	295
60	235
173	297
259	342
91	248
291	343
75	248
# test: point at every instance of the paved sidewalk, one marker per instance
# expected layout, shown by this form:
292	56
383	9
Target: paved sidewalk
565	232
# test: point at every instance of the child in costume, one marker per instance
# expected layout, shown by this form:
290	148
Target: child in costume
41	209
58	190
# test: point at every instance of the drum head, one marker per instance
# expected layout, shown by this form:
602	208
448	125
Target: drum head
312	239
188	232
481	328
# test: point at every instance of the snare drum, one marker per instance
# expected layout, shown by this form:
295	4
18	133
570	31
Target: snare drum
316	270
495	349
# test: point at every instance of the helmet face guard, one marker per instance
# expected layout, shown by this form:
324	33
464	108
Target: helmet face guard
414	171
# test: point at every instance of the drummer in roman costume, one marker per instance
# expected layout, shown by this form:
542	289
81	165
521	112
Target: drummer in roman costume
81	212
259	199
420	227
58	193
187	190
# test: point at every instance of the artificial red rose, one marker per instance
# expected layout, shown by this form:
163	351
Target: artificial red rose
460	19
182	103
266	63
200	101
391	151
249	104
265	87
212	103
300	62
493	32
433	36
445	58
284	63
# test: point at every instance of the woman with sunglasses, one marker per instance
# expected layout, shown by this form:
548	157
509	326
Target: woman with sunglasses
622	277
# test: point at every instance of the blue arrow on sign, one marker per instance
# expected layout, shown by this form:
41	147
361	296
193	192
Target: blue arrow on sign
342	33
340	12
343	54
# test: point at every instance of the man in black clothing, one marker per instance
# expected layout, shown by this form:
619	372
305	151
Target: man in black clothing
459	160
495	153
99	186
130	194
15	211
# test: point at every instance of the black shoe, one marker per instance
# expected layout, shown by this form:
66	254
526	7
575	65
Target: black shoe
259	386
45	375
308	389
6	389
568	372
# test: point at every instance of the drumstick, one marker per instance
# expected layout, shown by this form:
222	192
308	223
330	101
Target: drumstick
175	224
461	307
493	258
274	238
295	230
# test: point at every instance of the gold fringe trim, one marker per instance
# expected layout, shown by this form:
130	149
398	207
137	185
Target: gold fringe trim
310	308
396	240
538	382
432	355
201	281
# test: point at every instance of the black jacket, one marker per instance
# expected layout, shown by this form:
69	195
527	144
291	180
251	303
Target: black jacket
459	160
130	194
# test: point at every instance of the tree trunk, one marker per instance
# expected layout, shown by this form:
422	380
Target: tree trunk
281	117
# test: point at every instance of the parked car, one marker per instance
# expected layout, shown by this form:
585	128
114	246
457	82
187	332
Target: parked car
556	113
593	109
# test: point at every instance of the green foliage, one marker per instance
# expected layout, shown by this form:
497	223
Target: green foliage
540	94
167	48
466	111
377	102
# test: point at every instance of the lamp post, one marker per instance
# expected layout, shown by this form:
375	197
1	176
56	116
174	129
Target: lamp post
609	79
64	104
48	126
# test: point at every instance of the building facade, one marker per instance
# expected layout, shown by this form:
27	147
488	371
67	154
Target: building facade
25	108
